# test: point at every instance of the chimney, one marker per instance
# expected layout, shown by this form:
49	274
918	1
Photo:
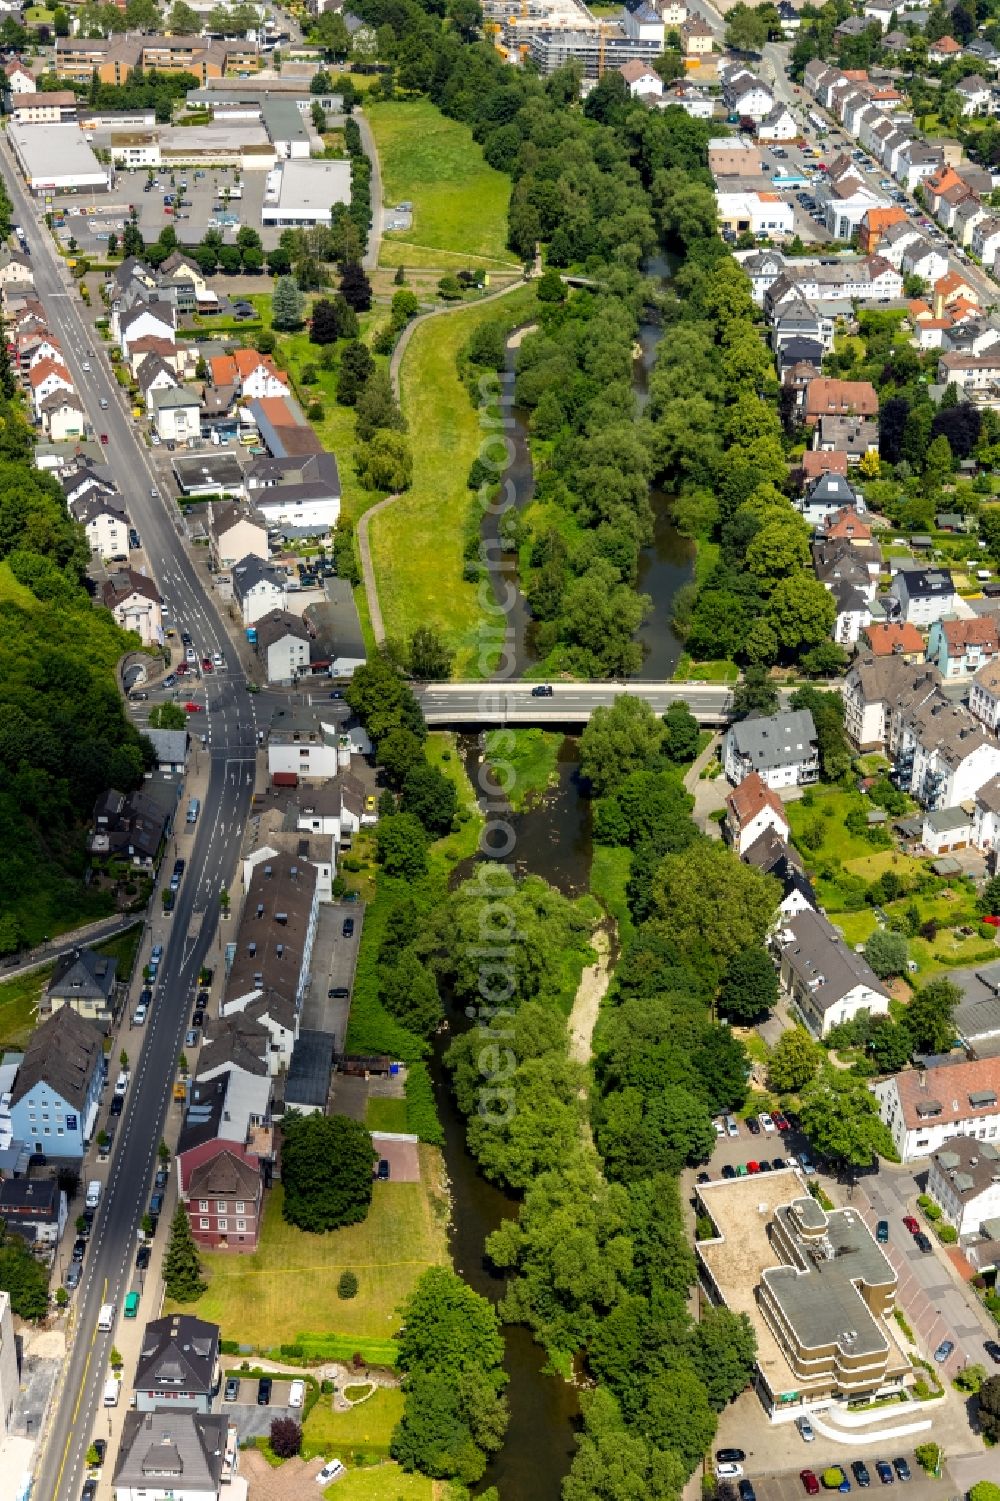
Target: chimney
922	1078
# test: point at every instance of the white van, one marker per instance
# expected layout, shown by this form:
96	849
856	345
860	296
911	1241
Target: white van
194	808
296	1394
106	1317
112	1388
121	1083
93	1193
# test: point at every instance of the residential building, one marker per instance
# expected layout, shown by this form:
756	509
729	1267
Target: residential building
174	1455
926	1107
114	57
733	156
964	1181
235	532
35	1209
961	647
105	524
782	748
947	829
772	856
258	589
853	436
306	744
894	638
176	413
975	94
85	981
56	1095
941	754
255	375
222	1191
977	1015
815	1286
643	81
155	318
19	78
274	941
758	213
750	809
986	817
874	225
827	497
134	601
62	417
170	747
696	38
178	1364
841	398
823	976
984	696
283	645
923	595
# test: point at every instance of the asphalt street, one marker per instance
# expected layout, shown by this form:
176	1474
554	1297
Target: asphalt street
569	703
231	730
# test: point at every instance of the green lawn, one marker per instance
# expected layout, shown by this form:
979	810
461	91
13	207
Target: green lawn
19	1006
441	750
459	203
289	1284
386	1115
367	1427
525	762
382	1483
719	671
12	592
418	542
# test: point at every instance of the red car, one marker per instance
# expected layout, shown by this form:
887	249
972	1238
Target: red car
810	1482
104	437
911	1224
206	664
753	1167
181	669
193	708
781	1121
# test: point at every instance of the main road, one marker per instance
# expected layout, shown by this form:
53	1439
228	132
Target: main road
472	704
231	739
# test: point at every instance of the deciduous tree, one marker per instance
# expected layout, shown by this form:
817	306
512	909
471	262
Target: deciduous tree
326	1171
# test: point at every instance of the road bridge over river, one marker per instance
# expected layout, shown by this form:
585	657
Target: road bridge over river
469	705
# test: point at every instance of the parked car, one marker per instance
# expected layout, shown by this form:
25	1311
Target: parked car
79	1248
142	1258
232	1390
753	1125
729	1171
992	1348
198	1018
191	1037
805	1429
882	1232
728	1471
810	1482
883	1470
139	1016
332	1470
264	1386
383	1170
781	1120
89	1491
73	1274
296	1394
943	1350
901	1467
766	1122
747	1492
729	1456
911	1224
778	1163
923	1242
860	1472
703	1178
348	927
753	1166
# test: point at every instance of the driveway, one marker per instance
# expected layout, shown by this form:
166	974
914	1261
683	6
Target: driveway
253	1421
936	1303
334	959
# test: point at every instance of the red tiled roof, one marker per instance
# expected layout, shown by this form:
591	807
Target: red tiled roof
751	797
948	1087
897	638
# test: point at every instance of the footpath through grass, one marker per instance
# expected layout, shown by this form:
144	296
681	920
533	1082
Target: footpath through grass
418	542
459	203
289	1284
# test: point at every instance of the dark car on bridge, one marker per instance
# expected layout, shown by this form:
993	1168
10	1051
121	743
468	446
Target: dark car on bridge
542	690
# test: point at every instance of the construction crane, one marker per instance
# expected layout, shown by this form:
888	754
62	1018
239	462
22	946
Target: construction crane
602	31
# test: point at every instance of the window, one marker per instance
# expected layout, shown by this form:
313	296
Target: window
220	1206
240	1206
223	1224
241	1224
203	1205
203	1224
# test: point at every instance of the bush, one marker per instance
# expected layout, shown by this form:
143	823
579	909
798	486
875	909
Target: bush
293	1352
229	1346
347	1285
928	1457
947	1235
286	1438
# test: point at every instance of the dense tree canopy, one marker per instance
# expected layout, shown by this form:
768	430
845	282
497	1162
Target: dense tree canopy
326	1170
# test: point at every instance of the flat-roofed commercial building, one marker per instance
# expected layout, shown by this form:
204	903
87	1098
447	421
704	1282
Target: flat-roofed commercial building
56	158
816	1286
302	192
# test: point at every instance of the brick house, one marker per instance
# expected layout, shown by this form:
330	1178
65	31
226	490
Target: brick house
223	1192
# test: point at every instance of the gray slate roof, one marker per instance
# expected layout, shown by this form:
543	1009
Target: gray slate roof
777	740
84	975
819	957
172	1447
179	1353
64	1053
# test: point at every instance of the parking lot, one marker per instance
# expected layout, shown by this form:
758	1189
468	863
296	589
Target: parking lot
251	1419
335	955
204	201
787	1485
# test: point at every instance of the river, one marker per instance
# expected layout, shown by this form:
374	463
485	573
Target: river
665	564
552	840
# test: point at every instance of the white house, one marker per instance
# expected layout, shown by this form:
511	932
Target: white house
20	80
305	743
926	261
780	747
984	697
947	829
760	213
975	94
174	1454
134	601
176	413
63	417
923	595
47	377
257	589
643	82
283	642
752	808
105	524
234	533
924	1108
964	1181
941	754
9	1381
824	977
986	817
146	320
779	124
986	240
